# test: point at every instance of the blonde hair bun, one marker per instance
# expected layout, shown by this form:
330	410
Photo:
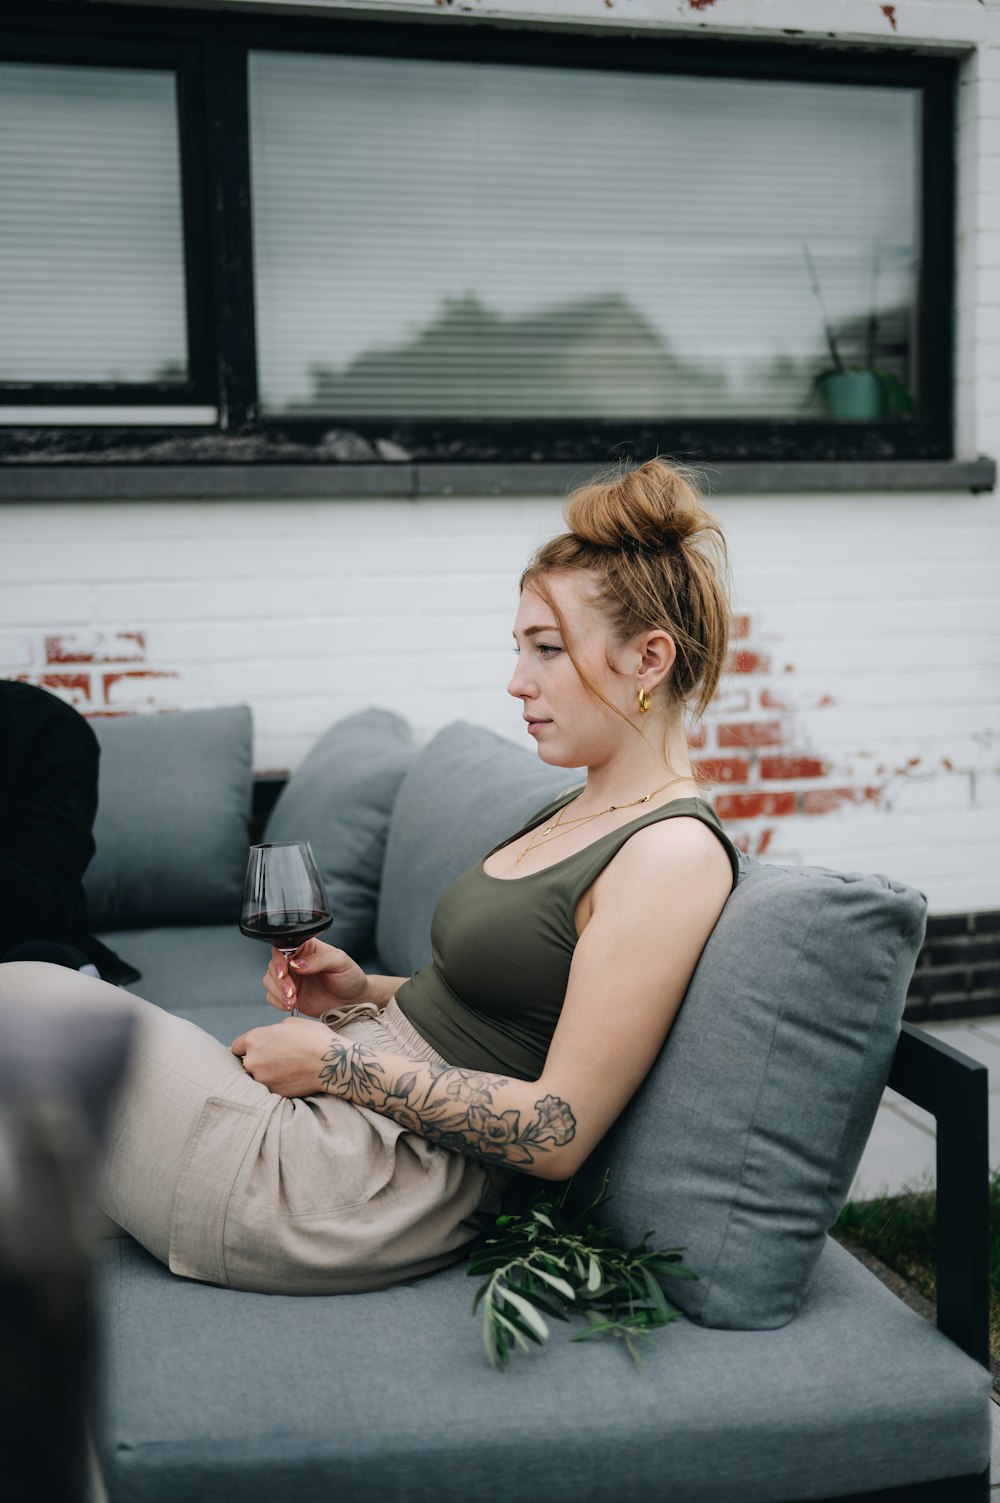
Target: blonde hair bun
659	560
652	506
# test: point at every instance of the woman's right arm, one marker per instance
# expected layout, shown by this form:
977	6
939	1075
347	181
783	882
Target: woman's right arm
319	977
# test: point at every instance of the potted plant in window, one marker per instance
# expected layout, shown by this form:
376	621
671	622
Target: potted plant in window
859	390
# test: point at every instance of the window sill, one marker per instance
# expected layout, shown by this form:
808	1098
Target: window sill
139	482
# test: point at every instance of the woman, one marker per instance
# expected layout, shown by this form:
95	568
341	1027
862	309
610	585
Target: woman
346	1149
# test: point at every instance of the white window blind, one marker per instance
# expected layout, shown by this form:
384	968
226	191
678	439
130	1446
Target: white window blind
475	239
91	243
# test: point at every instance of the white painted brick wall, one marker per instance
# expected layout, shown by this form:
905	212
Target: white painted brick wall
872	643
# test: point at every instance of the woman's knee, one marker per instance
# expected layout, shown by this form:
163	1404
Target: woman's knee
36	984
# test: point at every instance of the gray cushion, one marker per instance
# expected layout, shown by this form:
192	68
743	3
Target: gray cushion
171	828
202	966
340	800
742	1143
466	791
199	965
205	1399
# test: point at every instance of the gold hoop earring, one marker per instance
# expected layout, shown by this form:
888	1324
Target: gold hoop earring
644	701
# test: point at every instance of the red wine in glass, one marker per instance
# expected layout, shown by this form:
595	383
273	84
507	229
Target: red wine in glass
283	899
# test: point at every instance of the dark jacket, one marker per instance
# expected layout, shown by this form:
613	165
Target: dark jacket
48	799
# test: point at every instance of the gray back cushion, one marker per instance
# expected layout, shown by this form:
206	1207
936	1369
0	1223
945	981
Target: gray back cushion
466	791
171	828
340	799
743	1141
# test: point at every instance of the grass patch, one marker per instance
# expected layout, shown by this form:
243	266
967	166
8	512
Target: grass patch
900	1230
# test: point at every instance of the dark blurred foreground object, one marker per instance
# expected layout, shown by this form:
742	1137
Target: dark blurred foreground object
48	799
58	1081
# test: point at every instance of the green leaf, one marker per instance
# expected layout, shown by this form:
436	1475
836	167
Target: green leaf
656	1295
524	1329
545	1257
510	1326
480	1264
495	1355
527	1312
896	394
559	1285
558	1312
599	1328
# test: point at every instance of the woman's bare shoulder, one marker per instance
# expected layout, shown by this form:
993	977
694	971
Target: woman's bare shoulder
681	847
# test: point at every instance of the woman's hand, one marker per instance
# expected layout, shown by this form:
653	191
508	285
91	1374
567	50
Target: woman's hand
317	977
286	1057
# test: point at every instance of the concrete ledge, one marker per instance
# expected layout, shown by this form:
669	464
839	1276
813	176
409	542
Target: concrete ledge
47	481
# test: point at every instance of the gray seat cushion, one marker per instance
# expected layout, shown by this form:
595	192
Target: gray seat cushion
467	790
194	966
187	969
171	827
742	1143
340	799
213	1394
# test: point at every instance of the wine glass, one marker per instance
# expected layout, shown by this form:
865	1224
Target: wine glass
283	899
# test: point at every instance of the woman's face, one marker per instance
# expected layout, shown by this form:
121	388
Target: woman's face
571	727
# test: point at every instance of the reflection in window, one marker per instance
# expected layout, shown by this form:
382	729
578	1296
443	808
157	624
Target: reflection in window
91	242
440	238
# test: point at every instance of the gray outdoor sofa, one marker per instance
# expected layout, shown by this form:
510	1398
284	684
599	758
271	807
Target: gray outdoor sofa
797	1374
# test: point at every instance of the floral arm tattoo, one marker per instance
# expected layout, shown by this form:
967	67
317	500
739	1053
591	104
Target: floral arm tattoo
449	1105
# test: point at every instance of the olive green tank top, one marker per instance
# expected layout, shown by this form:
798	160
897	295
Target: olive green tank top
502	949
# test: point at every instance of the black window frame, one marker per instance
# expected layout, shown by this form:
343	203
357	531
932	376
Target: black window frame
210	49
182	58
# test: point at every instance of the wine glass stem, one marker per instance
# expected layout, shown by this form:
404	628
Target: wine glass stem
293	1011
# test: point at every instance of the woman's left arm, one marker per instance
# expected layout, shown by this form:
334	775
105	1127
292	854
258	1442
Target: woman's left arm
650	913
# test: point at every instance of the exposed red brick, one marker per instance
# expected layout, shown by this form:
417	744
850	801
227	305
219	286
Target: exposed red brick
106	714
793	767
704	4
739	626
889	11
731	701
723	769
75	684
110	680
826	699
753	805
751	733
826	800
947	764
117	647
748	662
763	841
696	739
771	701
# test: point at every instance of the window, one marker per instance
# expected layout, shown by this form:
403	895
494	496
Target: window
94	297
335	240
474	239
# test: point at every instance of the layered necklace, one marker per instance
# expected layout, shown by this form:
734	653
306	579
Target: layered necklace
561	826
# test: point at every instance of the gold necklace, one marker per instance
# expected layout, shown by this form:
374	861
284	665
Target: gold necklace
560	827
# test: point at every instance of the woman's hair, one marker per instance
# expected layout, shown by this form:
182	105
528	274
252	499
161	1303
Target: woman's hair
660	561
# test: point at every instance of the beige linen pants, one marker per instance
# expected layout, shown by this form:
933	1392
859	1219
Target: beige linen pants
225	1182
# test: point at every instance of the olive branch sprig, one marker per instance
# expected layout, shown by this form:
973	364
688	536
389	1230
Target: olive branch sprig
546	1260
